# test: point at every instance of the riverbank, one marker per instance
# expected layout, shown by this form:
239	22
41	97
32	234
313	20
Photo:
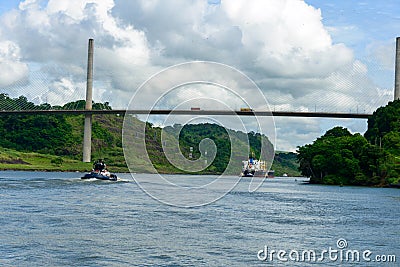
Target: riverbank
31	161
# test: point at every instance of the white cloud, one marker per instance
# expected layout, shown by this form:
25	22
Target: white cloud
12	70
304	130
56	33
383	52
62	90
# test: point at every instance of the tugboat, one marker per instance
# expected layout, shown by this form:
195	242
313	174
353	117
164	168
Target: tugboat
100	172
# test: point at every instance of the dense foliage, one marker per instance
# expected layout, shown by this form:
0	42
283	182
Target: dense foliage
339	157
40	133
384	128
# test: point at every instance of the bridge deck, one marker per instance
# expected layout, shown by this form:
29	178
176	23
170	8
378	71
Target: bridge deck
194	112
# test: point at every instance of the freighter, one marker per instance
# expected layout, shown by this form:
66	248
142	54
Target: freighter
255	168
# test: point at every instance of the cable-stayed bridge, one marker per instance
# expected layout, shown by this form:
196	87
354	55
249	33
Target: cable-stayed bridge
21	106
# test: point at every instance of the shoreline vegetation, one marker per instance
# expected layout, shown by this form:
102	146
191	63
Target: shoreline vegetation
342	158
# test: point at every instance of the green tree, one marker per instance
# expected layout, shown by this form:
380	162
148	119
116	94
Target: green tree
333	158
383	121
41	133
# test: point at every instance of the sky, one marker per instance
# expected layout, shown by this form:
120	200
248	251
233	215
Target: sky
302	55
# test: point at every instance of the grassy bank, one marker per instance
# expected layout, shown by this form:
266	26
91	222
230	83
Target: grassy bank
31	161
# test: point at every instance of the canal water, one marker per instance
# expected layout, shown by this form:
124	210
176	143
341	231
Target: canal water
57	219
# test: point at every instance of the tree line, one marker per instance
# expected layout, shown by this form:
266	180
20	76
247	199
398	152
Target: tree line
22	103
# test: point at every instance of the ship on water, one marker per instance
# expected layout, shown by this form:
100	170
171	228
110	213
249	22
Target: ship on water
256	168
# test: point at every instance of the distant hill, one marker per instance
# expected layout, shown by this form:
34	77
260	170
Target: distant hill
286	163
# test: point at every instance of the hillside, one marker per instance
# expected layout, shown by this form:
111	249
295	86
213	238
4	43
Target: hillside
17	153
286	162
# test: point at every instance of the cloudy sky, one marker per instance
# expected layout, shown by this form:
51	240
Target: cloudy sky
303	55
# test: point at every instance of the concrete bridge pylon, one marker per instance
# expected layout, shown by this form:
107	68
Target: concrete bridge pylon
397	71
87	131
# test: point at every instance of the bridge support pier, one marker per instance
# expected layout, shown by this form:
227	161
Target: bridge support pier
397	71
87	131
